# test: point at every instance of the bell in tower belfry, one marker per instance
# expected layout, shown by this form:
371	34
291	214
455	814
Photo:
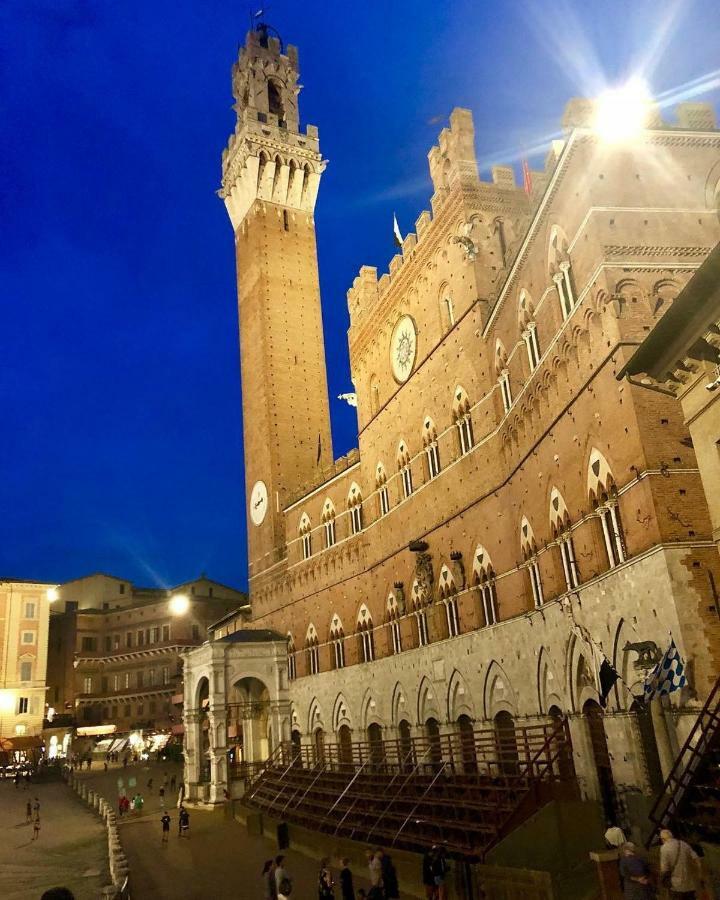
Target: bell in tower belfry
271	174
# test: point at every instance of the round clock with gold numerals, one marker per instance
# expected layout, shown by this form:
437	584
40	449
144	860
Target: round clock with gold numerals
258	503
403	348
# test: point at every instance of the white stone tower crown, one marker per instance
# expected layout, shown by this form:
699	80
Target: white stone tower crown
267	157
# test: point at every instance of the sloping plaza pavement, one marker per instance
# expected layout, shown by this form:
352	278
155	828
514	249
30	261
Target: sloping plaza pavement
70	852
219	860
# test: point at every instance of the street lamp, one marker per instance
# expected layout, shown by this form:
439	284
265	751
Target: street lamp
621	113
179	605
51	594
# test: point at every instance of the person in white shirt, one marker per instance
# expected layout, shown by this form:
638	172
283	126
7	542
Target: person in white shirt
679	867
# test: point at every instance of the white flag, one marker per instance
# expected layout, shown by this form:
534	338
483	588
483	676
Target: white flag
396	232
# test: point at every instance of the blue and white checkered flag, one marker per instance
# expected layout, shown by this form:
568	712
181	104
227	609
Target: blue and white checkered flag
667	676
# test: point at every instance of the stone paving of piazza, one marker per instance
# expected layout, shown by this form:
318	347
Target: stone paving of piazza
219	860
70	851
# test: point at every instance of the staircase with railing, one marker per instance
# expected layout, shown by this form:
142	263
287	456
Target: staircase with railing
689	803
466	790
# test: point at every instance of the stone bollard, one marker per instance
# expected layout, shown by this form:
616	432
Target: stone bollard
90	797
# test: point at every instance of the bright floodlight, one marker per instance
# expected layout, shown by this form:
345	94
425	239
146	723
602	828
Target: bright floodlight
179	605
621	113
52	594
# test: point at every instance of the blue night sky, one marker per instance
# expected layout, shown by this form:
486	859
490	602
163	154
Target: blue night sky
121	441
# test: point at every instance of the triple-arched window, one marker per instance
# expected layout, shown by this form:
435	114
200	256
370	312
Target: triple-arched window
528	329
291	661
382	490
305	532
529	551
561	270
337	639
366	638
484	578
463	420
403	461
328	520
448	595
312	650
393	617
603	494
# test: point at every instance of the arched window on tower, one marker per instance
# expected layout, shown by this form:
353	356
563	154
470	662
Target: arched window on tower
382	490
418	603
561	270
447	308
275	101
562	532
354	502
528	329
328	520
366	638
305	532
432	451
448	596
529	552
503	375
403	461
292	665
604	497
393	618
484	578
337	638
312	650
463	420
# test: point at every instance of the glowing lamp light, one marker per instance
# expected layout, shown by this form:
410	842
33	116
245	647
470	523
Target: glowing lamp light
179	605
621	113
51	594
7	701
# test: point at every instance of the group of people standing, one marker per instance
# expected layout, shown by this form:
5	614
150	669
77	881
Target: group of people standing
680	871
278	885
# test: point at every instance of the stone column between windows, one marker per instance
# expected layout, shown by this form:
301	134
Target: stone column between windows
217	719
559	280
565	270
609	544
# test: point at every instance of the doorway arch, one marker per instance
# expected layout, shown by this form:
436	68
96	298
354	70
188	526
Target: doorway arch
467	743
248	719
406	745
433	752
375	742
601	757
648	742
319	746
506	740
203	695
345	745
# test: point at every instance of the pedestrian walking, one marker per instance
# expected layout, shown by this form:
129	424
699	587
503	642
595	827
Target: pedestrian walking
125	760
679	867
268	880
161	794
184	823
635	874
388	875
28	812
439	870
374	868
165	821
347	891
428	878
105	764
149	785
36	808
36	828
16	779
283	882
27	779
325	881
173	783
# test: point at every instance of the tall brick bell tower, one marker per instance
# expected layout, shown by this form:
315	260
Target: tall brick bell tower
271	174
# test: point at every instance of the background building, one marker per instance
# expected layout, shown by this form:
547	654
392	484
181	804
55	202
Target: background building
513	513
114	647
24	615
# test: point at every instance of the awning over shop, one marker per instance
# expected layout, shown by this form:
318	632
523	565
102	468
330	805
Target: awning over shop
21	742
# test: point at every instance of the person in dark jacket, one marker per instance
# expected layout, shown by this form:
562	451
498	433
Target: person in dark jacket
347	891
427	874
439	870
389	876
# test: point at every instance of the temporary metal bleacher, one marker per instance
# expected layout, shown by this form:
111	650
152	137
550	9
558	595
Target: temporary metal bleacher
465	790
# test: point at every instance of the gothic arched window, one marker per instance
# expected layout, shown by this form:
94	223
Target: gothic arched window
275	101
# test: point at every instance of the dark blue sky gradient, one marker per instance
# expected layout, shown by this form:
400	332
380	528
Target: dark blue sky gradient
119	376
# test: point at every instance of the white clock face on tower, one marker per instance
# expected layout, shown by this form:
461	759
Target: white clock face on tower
258	503
403	348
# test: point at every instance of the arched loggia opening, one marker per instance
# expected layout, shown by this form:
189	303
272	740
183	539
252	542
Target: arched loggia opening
296	746
506	743
601	757
319	746
204	728
249	731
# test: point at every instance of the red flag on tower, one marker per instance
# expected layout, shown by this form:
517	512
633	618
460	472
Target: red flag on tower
527	177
